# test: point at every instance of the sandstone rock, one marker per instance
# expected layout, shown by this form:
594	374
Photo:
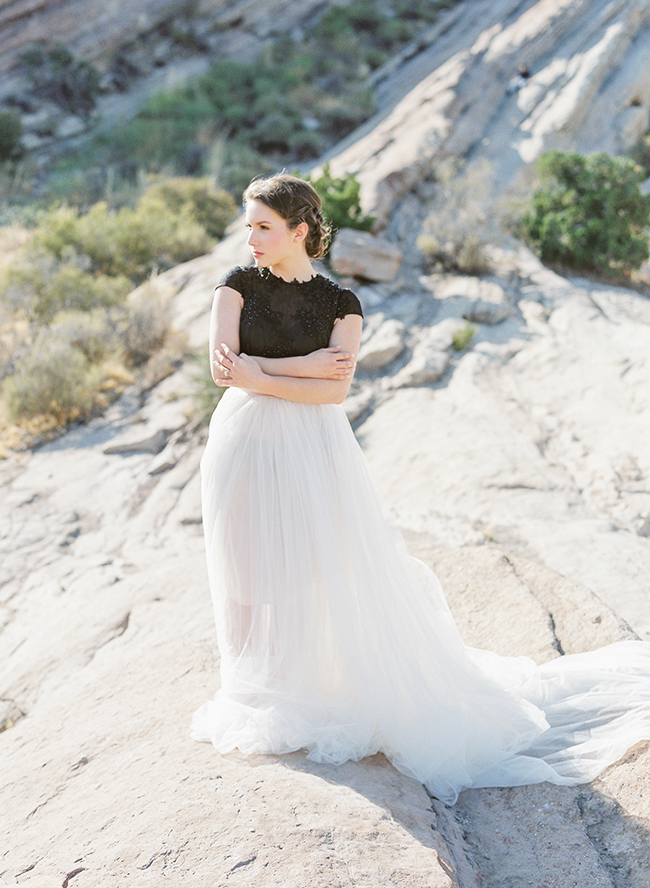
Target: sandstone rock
478	300
147	805
361	254
96	31
522	442
383	346
153	444
32	142
431	356
369	296
589	91
43	122
405	307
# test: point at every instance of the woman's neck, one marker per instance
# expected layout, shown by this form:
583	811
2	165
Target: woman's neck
300	270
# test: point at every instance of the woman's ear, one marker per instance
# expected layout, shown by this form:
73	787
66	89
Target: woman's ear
301	231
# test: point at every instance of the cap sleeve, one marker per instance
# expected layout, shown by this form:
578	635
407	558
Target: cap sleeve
348	304
234	279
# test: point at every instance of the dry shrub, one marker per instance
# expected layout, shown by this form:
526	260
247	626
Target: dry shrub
54	378
455	234
166	359
41	286
149	320
94	333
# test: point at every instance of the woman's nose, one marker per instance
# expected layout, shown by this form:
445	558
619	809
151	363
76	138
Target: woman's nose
251	239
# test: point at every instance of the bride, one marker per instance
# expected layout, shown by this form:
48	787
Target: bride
332	638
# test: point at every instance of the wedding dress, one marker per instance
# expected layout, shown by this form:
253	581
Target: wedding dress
335	640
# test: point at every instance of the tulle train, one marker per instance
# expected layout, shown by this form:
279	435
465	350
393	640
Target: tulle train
335	640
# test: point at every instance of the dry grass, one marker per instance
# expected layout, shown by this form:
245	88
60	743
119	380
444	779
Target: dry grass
13	241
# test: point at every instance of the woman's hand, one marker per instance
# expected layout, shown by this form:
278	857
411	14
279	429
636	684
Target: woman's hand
236	371
329	363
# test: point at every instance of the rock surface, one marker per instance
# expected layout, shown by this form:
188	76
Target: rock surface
383	346
109	647
536	437
589	90
431	356
363	255
96	31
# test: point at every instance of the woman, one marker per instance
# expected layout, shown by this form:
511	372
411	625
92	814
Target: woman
332	638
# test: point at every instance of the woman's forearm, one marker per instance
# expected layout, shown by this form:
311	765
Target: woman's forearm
295	367
304	391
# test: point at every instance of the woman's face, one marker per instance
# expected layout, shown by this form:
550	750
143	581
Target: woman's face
271	240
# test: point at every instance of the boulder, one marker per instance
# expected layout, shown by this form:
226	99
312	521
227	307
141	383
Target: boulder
431	356
383	346
363	255
479	300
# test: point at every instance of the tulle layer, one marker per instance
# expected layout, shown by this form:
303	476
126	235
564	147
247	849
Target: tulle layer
335	640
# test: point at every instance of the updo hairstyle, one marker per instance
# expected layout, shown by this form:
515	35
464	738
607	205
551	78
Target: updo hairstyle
296	201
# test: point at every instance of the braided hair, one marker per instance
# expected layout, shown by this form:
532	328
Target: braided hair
296	201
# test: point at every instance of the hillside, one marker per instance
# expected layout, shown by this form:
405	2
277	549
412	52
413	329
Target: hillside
520	473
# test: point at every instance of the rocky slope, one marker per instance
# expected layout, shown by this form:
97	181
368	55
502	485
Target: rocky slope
589	90
525	453
97	31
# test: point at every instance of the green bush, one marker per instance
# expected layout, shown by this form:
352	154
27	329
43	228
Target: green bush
54	377
174	221
214	209
462	338
56	75
205	394
94	333
590	213
11	130
640	153
341	202
42	286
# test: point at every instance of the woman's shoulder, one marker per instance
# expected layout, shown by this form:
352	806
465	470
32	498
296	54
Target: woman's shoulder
345	299
239	278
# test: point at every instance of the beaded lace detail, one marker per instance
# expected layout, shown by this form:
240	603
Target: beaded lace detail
282	319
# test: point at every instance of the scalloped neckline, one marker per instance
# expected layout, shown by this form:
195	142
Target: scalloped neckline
267	273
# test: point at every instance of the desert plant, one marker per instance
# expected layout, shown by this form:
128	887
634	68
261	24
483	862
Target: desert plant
94	333
171	223
41	286
11	130
53	377
341	200
462	337
589	213
149	321
213	208
204	393
455	236
640	153
56	75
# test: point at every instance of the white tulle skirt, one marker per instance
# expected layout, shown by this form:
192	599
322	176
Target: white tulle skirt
333	639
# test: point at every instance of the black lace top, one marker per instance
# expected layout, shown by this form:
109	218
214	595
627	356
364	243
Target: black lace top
282	319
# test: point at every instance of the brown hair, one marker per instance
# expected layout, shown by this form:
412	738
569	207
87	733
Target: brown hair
296	201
